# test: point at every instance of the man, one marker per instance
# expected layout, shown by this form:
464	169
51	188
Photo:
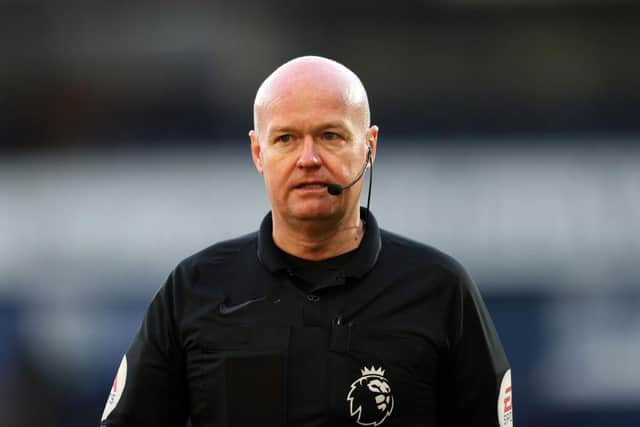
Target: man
319	318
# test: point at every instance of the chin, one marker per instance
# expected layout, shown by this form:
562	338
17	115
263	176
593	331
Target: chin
313	211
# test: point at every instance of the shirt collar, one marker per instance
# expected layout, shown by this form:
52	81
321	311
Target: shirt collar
361	262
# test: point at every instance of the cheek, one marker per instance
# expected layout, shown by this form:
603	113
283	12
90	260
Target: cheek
275	175
347	165
271	179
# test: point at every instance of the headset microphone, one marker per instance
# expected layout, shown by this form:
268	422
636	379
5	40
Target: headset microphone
337	189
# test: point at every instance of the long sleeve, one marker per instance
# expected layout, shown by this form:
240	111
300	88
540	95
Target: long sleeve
149	388
477	378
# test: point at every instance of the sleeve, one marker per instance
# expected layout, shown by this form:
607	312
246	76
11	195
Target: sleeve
477	378
149	388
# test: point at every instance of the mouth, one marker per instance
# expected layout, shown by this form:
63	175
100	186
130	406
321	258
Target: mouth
311	186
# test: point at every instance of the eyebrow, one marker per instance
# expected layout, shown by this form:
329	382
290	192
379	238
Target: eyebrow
332	125
280	129
329	125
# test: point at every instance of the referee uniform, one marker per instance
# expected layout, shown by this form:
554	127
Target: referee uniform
393	333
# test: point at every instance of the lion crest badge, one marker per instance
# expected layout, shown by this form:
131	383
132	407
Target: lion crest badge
370	399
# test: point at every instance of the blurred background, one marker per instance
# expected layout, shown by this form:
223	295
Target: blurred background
510	140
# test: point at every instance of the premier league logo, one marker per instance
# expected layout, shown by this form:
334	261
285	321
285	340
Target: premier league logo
370	399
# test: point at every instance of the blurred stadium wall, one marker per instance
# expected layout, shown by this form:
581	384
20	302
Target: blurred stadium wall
510	140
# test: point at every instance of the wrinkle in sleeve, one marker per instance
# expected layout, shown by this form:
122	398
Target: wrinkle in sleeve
149	388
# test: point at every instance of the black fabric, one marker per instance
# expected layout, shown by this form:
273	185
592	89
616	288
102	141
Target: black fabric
315	275
233	339
263	402
363	259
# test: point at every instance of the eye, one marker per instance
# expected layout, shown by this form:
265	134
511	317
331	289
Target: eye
331	136
284	138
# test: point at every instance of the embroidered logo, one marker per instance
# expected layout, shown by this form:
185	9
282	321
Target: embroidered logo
228	309
370	399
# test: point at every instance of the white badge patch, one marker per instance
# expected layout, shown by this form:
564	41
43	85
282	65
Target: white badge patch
370	399
116	389
505	402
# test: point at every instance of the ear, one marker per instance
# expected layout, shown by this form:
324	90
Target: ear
372	140
256	152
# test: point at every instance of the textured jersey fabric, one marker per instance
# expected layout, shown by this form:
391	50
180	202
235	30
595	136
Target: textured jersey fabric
394	333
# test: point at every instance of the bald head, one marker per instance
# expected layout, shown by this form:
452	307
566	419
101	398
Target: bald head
312	74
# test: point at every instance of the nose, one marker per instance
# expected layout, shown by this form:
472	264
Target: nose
309	157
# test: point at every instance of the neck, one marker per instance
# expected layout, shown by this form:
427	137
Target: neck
317	240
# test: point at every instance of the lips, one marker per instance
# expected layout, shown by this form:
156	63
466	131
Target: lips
311	185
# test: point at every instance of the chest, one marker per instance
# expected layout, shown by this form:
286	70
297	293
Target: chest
307	360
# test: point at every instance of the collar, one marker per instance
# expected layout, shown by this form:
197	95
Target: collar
362	261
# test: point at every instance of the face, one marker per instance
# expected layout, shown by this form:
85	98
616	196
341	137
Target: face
306	138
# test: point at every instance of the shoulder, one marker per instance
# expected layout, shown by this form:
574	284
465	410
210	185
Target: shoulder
220	256
404	250
436	268
432	266
222	251
206	277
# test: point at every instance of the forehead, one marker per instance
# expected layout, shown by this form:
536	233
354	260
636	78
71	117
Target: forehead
309	104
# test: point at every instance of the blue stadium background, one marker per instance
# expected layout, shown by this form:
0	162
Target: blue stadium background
510	140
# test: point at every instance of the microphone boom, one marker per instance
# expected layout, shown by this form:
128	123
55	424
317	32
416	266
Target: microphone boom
337	189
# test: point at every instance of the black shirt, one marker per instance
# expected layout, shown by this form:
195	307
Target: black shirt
394	333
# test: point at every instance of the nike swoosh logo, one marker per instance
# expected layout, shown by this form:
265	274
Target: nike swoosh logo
228	309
